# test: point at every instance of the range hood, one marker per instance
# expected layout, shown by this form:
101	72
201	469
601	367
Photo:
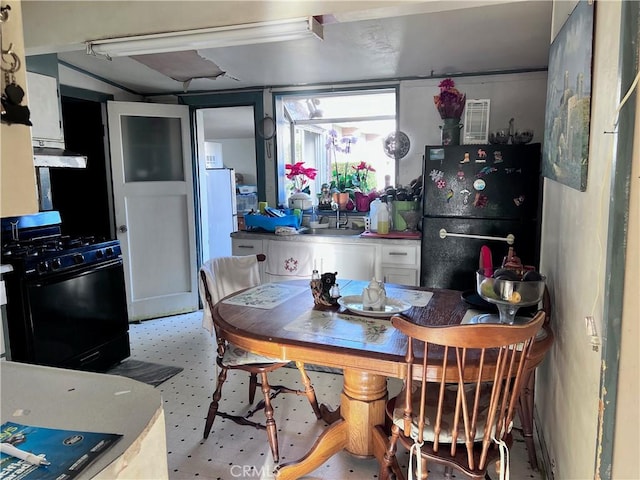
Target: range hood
58	157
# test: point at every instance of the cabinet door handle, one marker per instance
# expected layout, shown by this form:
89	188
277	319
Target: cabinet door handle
404	254
246	246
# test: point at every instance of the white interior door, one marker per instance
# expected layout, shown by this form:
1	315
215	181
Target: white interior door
153	200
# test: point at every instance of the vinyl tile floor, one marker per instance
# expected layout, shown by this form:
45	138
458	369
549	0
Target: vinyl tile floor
241	452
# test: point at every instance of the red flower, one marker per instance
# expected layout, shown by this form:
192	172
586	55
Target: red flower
298	174
450	103
298	169
363	166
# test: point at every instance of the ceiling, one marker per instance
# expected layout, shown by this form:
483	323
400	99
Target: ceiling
410	39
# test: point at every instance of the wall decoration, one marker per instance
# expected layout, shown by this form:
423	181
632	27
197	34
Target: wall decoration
566	134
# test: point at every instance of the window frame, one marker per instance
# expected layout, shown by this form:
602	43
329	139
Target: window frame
280	110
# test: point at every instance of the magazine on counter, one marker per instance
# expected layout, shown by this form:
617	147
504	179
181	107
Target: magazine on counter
68	452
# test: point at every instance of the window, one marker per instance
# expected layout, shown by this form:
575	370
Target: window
335	133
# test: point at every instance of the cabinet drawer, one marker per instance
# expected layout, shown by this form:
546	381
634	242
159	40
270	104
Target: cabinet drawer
240	247
399	255
401	276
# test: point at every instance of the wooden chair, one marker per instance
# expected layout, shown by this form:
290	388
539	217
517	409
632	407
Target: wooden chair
231	357
527	397
457	408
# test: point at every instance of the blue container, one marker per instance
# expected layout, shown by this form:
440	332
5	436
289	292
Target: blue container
270	223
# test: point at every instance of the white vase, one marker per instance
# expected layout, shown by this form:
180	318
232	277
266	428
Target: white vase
300	200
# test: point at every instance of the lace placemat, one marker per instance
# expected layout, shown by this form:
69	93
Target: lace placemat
342	326
416	298
266	296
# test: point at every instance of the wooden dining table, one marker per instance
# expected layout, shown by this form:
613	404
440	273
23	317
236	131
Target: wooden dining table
368	350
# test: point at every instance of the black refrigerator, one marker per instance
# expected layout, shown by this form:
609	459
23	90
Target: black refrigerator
475	195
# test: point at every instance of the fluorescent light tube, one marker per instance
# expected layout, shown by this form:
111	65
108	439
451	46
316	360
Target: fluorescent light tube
228	36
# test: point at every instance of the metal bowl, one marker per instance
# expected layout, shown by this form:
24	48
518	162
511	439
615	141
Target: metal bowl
522	137
499	137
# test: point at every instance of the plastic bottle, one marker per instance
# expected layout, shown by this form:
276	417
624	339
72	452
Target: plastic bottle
383	219
373	214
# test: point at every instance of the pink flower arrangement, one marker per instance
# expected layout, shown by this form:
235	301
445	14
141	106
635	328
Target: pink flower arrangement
300	176
450	103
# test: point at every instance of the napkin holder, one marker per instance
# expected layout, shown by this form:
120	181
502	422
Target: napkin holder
325	290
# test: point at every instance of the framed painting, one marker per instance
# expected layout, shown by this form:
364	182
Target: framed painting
565	153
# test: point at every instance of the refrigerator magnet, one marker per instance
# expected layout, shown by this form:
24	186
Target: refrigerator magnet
479	184
480	200
466	158
460	176
482	156
519	200
436	175
497	156
465	193
486	171
449	195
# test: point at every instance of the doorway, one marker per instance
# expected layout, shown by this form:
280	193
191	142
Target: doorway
227	174
83	196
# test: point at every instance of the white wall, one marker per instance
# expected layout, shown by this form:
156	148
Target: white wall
520	96
239	154
574	242
73	78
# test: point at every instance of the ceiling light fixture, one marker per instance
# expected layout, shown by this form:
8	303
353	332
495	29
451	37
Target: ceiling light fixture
216	37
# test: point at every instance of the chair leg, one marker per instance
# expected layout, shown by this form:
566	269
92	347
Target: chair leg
309	391
425	471
272	433
213	407
386	471
253	383
525	412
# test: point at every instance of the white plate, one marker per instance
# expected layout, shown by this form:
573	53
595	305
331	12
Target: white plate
353	303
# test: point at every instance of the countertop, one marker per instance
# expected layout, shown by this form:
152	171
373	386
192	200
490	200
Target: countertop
74	400
318	237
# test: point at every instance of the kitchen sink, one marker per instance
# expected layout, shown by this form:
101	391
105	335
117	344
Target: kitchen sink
332	232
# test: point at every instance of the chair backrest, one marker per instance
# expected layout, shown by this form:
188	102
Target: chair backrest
462	386
220	277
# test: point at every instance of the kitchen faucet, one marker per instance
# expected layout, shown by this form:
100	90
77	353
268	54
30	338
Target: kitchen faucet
336	207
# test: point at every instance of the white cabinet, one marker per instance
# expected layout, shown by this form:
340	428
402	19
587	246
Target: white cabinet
44	104
242	246
354	261
401	276
400	264
353	258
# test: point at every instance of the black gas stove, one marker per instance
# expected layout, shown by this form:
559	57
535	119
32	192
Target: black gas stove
57	254
35	245
66	299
